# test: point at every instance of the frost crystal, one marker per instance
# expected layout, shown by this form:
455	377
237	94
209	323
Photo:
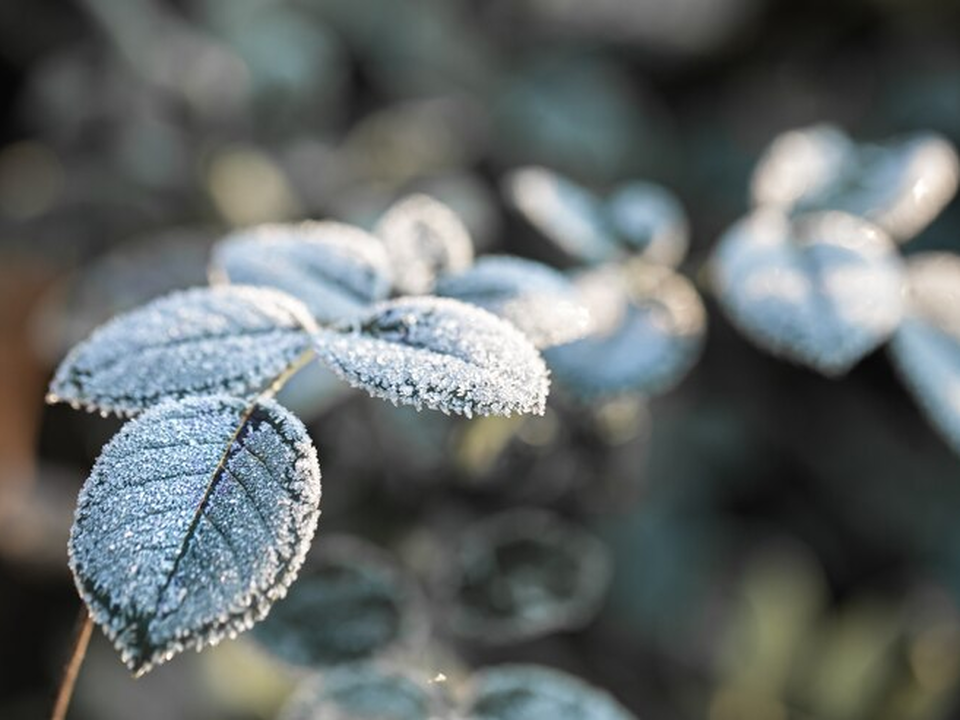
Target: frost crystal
195	519
337	270
441	354
523	692
230	340
566	213
424	239
651	327
350	603
649	218
540	301
926	346
823	290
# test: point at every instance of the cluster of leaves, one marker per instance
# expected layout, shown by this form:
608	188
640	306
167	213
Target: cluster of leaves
814	274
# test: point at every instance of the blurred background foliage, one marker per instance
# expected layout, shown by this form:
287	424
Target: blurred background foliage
777	545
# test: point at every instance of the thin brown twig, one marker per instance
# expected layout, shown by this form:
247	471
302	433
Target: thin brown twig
72	669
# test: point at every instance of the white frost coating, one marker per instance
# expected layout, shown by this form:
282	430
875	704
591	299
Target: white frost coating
440	354
195	519
649	338
651	219
540	301
337	270
822	290
524	692
900	185
926	346
424	239
565	212
231	340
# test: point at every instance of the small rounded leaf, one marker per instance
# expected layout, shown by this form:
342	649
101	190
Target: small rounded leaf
537	299
337	270
441	354
822	290
524	692
195	519
926	346
650	219
424	239
351	603
230	340
524	574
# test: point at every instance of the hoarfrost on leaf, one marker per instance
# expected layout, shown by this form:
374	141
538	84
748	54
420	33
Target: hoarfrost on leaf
540	301
822	290
441	354
650	219
651	326
926	346
337	270
232	340
195	519
351	603
424	239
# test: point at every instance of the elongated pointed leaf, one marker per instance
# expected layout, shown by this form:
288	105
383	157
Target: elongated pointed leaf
822	290
926	346
441	354
567	214
230	340
523	692
651	329
650	219
337	270
540	301
351	603
195	519
424	239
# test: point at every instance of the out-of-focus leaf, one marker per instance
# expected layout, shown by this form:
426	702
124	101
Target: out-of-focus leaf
540	301
822	290
441	354
424	239
650	219
195	519
566	213
524	574
652	325
525	692
926	346
337	270
231	340
350	603
900	185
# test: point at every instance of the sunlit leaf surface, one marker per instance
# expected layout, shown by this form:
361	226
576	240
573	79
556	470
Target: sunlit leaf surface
231	340
337	270
441	354
823	290
540	301
194	520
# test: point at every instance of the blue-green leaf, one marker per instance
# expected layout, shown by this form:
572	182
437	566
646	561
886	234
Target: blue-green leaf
650	219
195	519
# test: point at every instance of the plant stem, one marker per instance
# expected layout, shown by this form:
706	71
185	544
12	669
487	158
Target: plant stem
72	670
292	369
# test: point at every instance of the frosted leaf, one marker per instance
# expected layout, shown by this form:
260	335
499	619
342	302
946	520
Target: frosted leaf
337	270
524	574
231	340
424	239
823	290
350	603
363	692
926	346
540	301
194	520
651	325
900	185
441	354
525	692
649	218
565	212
